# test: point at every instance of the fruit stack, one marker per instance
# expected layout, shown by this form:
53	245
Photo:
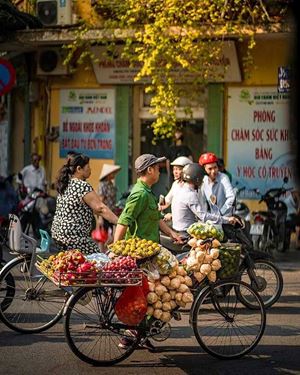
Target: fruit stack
122	270
70	268
202	231
167	292
203	259
135	247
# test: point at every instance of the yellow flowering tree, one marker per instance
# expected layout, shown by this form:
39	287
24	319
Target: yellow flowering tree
162	36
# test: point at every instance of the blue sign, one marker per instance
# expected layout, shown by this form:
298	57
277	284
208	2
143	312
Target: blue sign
7	76
87	122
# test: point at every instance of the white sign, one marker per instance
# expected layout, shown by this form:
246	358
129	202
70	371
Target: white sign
87	122
258	138
119	71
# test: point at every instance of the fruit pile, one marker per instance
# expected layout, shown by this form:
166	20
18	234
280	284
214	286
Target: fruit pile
203	259
122	270
135	247
69	268
165	261
167	292
230	258
206	230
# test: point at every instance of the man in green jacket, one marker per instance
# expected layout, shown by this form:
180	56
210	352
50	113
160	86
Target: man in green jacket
140	216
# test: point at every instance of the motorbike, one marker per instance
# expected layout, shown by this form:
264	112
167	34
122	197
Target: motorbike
36	211
241	209
256	267
269	229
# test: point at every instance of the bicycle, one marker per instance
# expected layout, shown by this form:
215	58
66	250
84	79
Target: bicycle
92	329
7	285
29	301
223	326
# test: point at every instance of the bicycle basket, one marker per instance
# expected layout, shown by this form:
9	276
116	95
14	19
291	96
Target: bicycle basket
229	255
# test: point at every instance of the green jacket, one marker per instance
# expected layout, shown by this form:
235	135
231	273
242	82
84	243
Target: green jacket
141	214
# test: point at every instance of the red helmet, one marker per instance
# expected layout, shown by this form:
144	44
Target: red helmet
207	158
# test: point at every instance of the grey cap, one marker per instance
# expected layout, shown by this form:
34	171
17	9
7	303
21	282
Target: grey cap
146	160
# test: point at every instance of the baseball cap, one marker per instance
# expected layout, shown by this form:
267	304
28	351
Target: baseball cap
146	160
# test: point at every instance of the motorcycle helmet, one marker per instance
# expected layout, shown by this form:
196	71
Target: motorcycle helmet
181	161
208	158
193	173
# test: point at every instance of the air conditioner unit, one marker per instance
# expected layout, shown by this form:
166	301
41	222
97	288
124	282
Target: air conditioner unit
54	12
50	62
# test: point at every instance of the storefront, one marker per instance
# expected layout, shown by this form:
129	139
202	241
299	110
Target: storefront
257	127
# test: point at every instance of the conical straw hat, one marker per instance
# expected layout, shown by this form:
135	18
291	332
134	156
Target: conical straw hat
108	169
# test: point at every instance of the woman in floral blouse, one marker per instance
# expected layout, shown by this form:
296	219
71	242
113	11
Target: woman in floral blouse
77	202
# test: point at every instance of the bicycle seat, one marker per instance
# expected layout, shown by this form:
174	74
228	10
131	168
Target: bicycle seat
19	242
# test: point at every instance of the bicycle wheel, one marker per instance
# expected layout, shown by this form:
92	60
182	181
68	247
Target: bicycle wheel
269	285
222	325
34	304
7	291
92	329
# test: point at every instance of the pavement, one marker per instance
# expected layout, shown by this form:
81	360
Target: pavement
288	260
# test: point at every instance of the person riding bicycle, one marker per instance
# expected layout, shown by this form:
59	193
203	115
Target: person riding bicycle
216	187
186	206
77	203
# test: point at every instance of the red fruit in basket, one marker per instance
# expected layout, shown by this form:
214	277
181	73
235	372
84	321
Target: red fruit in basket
78	258
71	267
91	278
84	267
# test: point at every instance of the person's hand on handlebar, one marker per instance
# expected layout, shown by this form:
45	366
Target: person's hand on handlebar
168	217
236	221
176	237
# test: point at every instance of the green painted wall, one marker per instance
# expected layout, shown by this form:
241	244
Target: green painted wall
123	124
215	118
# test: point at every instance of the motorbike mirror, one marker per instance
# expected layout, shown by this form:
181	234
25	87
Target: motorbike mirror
286	180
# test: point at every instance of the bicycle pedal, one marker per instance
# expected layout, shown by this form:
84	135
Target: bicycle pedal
176	315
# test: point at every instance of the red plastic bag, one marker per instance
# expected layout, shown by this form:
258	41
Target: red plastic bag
131	307
100	235
145	285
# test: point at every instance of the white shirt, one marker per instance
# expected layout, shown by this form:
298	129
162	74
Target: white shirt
186	209
175	186
33	178
219	194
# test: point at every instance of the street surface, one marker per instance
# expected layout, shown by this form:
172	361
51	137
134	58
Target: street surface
277	353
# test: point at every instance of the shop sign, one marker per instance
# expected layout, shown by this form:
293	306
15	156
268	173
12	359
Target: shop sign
119	71
258	139
87	122
7	76
284	79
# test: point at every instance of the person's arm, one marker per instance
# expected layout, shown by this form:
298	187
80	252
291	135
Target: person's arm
120	232
168	199
169	231
99	208
229	194
214	218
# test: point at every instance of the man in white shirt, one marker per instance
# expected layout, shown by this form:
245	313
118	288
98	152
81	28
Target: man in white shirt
186	206
216	187
33	175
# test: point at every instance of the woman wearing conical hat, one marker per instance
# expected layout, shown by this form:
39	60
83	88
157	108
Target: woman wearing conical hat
108	194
